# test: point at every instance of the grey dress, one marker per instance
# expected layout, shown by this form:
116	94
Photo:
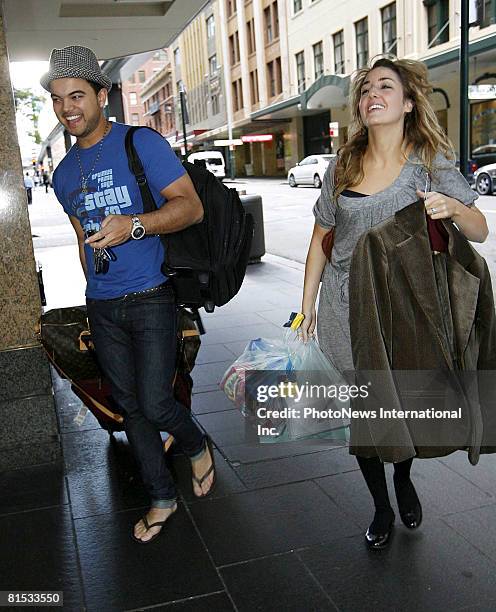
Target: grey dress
351	217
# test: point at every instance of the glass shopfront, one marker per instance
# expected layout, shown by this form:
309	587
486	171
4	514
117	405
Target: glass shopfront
483	122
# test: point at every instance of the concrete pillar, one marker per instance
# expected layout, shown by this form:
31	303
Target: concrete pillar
28	432
260	45
243	51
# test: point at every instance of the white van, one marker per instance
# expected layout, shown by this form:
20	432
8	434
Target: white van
214	161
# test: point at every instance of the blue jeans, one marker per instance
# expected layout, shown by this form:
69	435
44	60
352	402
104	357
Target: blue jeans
135	341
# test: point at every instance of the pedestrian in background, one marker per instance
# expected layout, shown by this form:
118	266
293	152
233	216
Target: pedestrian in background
29	185
394	139
46	181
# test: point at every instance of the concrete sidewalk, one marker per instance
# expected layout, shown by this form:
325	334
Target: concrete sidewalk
284	527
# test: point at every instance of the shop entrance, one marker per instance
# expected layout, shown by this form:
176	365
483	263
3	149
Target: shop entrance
316	138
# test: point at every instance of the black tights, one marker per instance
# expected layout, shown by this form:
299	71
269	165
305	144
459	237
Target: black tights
373	471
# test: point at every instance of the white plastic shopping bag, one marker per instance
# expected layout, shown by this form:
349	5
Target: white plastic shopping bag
290	389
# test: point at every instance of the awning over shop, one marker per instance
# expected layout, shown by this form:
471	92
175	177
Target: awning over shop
280	110
445	63
328	91
177	141
112	29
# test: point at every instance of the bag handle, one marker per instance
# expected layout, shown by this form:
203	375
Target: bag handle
136	168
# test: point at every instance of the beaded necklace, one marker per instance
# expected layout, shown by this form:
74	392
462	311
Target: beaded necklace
85	179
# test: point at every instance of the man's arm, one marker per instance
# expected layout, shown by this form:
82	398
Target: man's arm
80	236
182	209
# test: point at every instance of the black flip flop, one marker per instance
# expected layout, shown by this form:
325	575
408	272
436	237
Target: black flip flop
200	481
148	527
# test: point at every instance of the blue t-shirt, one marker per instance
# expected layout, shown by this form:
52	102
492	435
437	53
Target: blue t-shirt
112	189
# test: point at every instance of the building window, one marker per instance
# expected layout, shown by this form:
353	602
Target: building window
210	27
297	6
158	122
237	94
236	45
215	104
278	76
437	21
230	7
133	98
234	48
141	76
254	87
318	60
362	42
212	64
300	71
338	43
274	77
271	23
250	36
269	35
177	57
488	16
271	79
132	79
160	56
135	119
389	40
275	19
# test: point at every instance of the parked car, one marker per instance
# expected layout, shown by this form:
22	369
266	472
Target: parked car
310	171
484	155
211	160
485	179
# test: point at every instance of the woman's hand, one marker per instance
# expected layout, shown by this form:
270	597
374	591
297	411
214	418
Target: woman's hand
307	327
469	219
314	266
438	205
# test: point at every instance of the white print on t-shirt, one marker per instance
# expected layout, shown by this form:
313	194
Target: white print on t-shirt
111	200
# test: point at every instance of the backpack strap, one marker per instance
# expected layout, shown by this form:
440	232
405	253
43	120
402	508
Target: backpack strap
138	171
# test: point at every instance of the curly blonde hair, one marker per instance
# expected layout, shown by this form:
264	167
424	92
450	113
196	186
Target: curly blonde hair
422	132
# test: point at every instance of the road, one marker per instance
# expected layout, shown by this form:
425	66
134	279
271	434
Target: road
288	227
289	220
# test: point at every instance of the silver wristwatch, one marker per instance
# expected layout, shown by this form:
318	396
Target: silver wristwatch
138	229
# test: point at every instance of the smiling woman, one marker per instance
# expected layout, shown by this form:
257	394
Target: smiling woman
395	143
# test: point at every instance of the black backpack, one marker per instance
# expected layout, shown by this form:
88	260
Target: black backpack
207	261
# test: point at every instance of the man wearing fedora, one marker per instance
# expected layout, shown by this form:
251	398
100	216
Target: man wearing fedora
130	303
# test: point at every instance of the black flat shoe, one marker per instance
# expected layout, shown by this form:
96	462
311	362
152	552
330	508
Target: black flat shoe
379	532
408	504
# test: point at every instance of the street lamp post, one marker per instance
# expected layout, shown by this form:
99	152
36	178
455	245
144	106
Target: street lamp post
464	87
183	120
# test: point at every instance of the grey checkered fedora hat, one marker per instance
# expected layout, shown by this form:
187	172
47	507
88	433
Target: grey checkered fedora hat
77	63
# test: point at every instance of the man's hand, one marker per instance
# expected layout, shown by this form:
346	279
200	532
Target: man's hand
115	230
